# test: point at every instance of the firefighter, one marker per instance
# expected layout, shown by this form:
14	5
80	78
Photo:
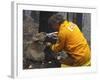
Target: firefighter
71	40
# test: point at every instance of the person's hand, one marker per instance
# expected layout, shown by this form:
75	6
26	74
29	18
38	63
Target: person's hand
55	33
48	44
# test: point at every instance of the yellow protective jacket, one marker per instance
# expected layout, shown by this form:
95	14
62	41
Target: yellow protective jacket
73	42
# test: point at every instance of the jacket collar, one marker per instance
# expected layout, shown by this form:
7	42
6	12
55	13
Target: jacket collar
64	24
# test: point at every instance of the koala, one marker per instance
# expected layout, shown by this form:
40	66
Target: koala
36	47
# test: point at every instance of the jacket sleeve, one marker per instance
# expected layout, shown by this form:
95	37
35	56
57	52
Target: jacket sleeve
60	43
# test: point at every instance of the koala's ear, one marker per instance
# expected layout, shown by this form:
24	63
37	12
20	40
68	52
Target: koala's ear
44	33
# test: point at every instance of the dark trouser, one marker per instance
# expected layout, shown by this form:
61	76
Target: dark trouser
50	57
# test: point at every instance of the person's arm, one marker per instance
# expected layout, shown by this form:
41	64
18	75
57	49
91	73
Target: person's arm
60	43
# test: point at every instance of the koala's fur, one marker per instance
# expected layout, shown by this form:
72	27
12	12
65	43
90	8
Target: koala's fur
36	47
